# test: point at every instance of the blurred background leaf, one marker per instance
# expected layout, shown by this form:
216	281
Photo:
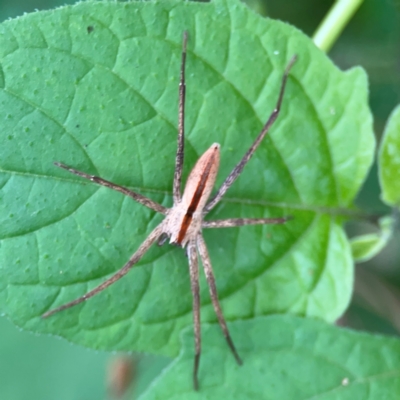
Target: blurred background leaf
366	247
44	367
389	160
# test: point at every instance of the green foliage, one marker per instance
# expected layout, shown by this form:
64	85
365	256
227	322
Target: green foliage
367	246
389	160
95	86
289	358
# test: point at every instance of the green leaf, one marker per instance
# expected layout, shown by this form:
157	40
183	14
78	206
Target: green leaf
367	246
95	86
286	357
389	160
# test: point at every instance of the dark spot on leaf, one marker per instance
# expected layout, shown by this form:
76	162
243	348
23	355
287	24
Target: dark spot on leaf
77	126
90	29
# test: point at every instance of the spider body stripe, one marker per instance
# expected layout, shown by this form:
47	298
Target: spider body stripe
205	174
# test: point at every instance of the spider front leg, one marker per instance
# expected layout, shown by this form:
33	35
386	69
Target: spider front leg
239	167
153	236
145	201
181	127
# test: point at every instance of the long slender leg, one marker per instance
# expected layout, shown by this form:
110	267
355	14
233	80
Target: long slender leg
239	167
145	201
154	235
181	126
194	281
205	259
232	222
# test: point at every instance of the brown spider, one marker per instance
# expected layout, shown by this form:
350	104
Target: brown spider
183	223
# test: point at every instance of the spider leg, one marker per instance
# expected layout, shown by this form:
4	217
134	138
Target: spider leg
239	167
145	201
205	259
153	236
232	222
181	126
194	282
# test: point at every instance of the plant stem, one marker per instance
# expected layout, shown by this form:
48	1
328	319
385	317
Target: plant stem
334	22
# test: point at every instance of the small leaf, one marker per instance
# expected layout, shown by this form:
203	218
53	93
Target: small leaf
368	246
105	100
286	357
389	160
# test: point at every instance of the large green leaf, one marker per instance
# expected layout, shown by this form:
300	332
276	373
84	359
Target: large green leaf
389	160
286	357
96	86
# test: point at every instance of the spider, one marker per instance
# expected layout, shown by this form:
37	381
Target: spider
183	223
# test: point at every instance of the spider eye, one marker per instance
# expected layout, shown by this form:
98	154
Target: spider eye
162	239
